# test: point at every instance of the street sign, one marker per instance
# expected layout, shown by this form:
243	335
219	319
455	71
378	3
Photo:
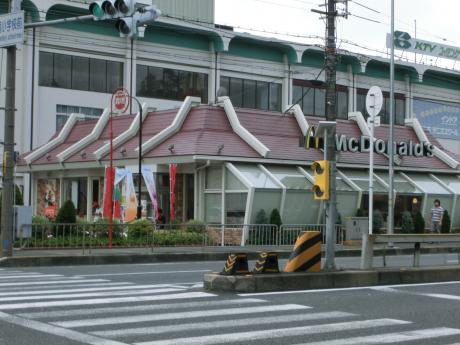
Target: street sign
374	101
120	100
11	29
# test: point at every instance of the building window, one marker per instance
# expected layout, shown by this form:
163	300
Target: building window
79	73
399	99
312	99
156	82
63	113
254	94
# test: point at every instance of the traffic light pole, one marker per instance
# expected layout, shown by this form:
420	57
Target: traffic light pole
8	149
329	144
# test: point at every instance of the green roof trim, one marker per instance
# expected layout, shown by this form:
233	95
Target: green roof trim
255	49
178	38
29	8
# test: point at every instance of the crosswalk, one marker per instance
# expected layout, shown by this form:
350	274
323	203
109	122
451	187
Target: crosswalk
99	311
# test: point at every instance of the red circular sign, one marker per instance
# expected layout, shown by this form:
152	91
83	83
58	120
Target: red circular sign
120	100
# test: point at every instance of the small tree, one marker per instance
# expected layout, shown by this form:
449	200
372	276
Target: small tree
360	213
377	221
407	224
445	225
67	213
275	217
419	223
18	199
261	217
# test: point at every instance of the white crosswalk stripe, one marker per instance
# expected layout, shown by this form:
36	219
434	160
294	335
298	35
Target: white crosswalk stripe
104	312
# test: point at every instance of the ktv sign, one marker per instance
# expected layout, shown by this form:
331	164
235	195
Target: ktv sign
404	41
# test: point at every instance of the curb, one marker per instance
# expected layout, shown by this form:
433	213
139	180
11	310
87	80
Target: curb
328	280
116	259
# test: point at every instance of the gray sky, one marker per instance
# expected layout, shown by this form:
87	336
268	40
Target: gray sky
437	20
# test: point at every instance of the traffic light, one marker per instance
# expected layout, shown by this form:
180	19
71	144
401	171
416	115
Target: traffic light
104	9
321	187
127	26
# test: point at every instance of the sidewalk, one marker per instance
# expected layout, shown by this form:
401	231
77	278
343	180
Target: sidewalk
100	256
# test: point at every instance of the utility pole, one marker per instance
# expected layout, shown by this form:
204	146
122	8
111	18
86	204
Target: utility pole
8	149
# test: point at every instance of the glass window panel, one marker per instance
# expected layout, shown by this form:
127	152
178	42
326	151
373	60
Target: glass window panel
361	104
235	208
399	111
213	178
320	102
346	204
275	97
97	75
256	176
232	182
308	101
299	208
400	184
290	177
267	200
114	75
342	185
225	85
342	105
297	95
154	83
262	95
201	88
45	71
453	182
212	207
385	112
236	91
249	97
62	71
361	178
80	73
427	184
60	121
446	204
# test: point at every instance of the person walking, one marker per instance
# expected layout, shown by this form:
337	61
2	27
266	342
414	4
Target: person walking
436	217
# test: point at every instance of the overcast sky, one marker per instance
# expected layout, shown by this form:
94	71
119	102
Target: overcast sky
437	20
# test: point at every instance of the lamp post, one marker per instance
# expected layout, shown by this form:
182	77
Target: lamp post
139	178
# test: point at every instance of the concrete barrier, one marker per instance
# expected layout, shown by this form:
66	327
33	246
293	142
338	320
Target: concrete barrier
329	280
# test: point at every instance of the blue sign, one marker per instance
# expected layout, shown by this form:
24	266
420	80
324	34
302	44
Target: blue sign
441	119
11	29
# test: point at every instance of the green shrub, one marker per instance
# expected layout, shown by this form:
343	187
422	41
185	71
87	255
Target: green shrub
407	224
140	228
419	223
377	221
67	213
101	228
37	219
261	217
360	213
196	226
275	218
445	225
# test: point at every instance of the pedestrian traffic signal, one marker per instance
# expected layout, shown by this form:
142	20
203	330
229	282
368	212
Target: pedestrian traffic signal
321	187
127	26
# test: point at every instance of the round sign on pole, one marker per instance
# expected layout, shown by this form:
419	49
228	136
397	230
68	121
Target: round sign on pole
374	101
120	100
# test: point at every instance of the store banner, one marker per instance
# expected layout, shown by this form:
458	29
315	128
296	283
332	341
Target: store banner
149	180
441	119
130	197
172	187
109	173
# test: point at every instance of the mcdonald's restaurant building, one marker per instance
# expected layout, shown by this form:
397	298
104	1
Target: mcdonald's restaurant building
234	162
236	155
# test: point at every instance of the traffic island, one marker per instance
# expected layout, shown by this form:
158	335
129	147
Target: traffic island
329	280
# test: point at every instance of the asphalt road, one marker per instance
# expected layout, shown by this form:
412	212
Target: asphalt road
158	304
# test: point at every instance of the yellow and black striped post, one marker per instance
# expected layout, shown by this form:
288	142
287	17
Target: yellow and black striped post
306	255
267	263
236	264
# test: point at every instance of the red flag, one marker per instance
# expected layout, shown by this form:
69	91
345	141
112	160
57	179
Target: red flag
172	185
109	175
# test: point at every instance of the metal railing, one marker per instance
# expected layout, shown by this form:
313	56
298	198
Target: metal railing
150	235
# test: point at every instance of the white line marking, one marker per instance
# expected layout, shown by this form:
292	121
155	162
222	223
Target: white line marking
177	316
124	286
140	273
440	295
57	331
10	273
452	261
276	333
50	304
89	294
9	292
220	324
27	276
53	282
389	338
343	289
137	308
434	295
